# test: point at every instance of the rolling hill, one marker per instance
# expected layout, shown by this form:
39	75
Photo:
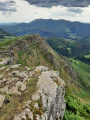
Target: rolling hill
50	28
5	36
70	48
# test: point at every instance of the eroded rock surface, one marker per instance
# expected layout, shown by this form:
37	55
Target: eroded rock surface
52	95
46	101
2	98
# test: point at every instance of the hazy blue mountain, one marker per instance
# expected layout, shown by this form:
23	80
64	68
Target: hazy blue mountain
50	28
7	24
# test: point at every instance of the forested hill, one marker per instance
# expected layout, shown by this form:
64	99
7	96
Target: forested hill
5	35
49	27
69	48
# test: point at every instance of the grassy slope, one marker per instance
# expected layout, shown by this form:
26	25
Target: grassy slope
5	36
69	48
75	110
87	56
83	71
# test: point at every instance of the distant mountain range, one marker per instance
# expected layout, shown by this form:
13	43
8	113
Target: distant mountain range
50	28
7	24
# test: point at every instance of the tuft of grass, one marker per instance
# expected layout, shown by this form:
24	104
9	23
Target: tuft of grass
21	60
35	110
7	42
87	56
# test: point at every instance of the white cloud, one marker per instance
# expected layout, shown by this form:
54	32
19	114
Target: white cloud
26	13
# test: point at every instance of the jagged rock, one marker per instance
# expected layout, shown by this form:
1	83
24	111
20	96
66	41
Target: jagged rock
15	66
42	68
4	80
18	84
27	68
37	72
7	100
54	74
37	117
61	82
52	95
23	88
35	96
2	98
23	114
1	76
6	62
36	106
48	92
19	74
2	68
15	73
12	81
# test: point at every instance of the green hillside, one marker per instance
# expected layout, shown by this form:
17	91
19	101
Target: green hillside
79	49
68	47
5	36
75	106
87	56
83	71
75	110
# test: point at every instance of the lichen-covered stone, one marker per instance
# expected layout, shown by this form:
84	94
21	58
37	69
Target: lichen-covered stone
2	98
47	102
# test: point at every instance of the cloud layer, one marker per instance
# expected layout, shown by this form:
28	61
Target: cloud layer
23	11
67	3
9	6
75	10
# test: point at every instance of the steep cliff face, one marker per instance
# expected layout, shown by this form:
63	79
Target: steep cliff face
52	90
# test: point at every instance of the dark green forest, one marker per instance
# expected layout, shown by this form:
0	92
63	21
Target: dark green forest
77	49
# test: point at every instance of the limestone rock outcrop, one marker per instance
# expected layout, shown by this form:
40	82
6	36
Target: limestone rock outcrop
46	101
52	94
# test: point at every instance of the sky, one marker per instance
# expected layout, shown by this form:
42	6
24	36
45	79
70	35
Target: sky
29	10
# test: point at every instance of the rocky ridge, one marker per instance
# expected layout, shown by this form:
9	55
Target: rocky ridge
33	51
28	90
47	100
